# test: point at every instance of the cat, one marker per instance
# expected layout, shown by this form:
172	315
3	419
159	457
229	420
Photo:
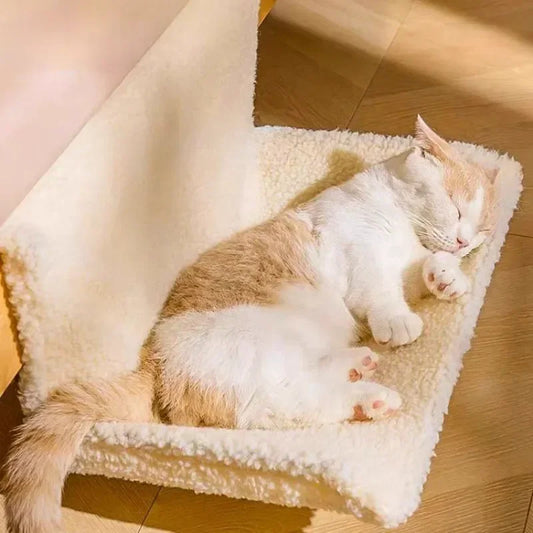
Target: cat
262	331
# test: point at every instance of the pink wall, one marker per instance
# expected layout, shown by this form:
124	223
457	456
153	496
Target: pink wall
59	60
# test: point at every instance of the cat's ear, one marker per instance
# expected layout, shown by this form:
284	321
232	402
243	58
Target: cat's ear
426	139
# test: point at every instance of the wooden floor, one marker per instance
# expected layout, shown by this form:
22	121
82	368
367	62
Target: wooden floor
372	65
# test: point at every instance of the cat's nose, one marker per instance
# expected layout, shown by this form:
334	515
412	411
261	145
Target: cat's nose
461	242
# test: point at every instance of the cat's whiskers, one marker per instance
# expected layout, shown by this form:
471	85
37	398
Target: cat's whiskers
427	229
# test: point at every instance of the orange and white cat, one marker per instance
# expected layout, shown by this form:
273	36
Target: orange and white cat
260	332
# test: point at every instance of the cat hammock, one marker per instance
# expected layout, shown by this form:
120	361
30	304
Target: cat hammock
169	165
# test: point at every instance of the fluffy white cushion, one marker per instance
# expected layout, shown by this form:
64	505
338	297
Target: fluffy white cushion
374	470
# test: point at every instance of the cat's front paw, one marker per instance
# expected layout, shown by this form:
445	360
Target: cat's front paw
443	276
397	329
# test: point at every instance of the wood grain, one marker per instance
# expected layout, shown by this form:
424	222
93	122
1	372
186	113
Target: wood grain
265	6
317	58
186	512
529	520
93	504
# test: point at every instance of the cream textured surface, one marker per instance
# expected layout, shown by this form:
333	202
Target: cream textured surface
374	470
93	249
152	179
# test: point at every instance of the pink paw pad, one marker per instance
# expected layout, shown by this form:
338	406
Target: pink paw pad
369	363
359	415
378	404
354	376
442	286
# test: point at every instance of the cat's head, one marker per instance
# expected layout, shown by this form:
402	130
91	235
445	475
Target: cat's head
455	207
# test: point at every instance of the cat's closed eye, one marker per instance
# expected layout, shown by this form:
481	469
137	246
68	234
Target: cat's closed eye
459	214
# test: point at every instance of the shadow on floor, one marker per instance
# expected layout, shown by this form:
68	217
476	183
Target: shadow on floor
176	509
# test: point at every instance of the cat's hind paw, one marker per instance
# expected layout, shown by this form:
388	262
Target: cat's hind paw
351	364
377	404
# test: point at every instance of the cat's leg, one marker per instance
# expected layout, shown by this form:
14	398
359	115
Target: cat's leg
377	293
317	379
313	398
390	319
336	402
443	276
264	367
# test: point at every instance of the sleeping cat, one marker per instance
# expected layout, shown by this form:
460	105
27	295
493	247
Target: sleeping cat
261	332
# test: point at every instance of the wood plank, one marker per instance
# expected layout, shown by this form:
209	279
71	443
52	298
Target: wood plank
317	59
93	504
186	512
9	357
265	6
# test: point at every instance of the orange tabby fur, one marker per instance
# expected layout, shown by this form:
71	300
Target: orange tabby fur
249	268
246	269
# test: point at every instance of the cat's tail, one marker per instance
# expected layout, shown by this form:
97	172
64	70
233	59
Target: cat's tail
47	443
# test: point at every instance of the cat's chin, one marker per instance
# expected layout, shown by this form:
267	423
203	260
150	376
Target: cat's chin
434	249
463	252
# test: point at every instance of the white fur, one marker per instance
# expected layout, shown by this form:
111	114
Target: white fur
367	243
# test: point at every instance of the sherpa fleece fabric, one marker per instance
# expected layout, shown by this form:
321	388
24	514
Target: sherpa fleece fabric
170	164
